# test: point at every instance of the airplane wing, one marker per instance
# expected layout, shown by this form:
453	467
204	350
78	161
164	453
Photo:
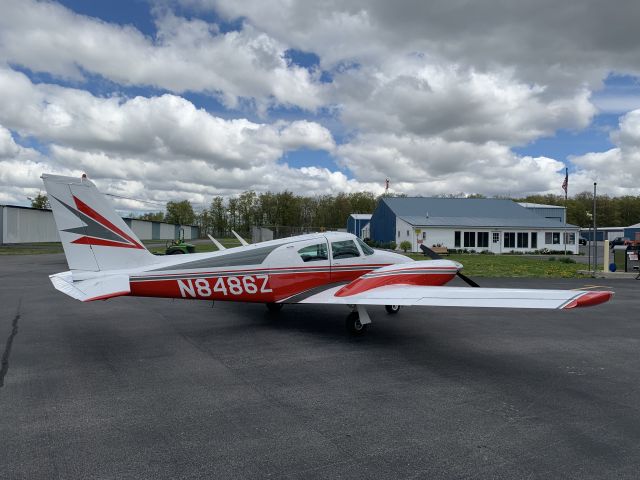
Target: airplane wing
437	296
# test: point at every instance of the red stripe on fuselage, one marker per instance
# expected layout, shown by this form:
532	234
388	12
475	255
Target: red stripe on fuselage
281	286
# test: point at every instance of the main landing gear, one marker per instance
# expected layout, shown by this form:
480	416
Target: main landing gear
274	307
358	320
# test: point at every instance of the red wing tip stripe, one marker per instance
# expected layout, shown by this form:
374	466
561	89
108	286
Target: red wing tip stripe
107	296
589	299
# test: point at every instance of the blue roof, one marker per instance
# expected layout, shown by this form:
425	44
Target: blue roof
467	212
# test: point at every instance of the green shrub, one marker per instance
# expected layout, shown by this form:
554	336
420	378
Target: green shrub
405	246
566	260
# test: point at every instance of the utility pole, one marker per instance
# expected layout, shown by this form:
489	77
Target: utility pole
595	232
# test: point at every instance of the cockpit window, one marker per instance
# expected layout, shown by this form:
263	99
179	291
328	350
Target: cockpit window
366	248
314	253
344	249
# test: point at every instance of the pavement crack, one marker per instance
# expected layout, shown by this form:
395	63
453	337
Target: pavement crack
7	348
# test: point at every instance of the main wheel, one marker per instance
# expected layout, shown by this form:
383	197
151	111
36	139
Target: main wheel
354	327
274	307
392	309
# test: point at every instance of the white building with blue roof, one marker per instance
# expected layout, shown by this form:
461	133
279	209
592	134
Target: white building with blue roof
495	225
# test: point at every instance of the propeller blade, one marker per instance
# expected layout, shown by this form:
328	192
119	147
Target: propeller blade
430	253
434	256
468	280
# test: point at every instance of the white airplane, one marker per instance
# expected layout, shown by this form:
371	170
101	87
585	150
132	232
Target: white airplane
107	260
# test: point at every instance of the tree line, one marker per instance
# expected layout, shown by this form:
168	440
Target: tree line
282	209
286	209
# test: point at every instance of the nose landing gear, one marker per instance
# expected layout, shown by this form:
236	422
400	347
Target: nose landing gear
392	309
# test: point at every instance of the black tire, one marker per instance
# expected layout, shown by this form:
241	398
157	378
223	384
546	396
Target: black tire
392	309
274	307
176	252
354	327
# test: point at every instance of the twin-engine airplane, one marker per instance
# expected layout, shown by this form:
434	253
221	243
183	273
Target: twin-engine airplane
107	260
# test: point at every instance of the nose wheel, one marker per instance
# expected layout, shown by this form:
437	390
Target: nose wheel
392	309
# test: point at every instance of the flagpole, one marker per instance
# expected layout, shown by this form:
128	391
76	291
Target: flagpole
566	189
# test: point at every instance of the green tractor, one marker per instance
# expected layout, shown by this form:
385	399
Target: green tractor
179	246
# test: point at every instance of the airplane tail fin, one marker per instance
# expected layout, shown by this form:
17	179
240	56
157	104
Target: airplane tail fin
93	235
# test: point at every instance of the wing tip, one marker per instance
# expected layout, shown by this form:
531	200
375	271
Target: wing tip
589	299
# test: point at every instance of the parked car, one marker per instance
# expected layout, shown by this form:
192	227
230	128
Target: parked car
582	241
619	241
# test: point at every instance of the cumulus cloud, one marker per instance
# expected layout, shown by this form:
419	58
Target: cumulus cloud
433	95
616	170
167	127
186	55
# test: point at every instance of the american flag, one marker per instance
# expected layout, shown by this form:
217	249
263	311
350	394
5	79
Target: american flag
565	184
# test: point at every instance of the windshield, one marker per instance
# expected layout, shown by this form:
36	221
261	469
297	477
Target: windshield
366	248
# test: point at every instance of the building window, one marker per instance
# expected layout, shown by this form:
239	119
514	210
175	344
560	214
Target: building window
398	233
496	237
469	239
424	235
456	239
534	239
552	238
483	239
509	239
523	240
407	233
570	238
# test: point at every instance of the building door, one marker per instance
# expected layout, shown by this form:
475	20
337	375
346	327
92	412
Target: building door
495	242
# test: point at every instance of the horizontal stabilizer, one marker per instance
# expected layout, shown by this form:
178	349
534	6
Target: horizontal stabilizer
99	288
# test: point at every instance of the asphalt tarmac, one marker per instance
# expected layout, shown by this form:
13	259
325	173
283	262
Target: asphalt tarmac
155	388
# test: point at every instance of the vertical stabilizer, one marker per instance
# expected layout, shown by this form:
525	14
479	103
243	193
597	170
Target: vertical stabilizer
93	235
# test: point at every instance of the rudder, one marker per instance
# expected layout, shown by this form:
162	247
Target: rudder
93	235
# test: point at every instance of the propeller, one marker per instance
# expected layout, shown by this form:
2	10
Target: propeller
434	256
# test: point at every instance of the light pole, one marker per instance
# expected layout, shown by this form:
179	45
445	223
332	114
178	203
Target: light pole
595	232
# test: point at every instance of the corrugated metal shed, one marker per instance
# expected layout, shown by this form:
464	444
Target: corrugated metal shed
20	224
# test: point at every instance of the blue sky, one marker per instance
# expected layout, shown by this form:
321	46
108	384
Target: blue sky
315	99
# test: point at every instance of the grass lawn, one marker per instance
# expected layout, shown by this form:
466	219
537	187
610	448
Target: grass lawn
512	266
31	248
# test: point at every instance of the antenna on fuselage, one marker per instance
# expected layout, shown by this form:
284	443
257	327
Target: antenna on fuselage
240	239
216	243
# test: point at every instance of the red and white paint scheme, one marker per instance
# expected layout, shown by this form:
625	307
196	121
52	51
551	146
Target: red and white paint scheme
107	260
